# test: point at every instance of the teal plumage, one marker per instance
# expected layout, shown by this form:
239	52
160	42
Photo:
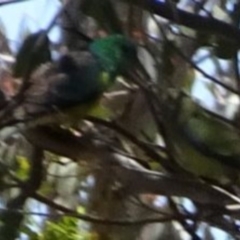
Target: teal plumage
115	53
79	77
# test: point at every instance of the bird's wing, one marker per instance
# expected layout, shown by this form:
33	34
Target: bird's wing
185	137
214	138
52	88
41	84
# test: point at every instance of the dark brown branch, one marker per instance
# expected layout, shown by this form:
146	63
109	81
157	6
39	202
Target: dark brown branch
63	142
142	182
191	20
3	3
98	220
149	150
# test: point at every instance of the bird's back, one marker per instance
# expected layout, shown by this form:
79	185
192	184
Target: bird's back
80	77
72	80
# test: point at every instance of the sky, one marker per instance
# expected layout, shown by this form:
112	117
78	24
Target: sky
29	15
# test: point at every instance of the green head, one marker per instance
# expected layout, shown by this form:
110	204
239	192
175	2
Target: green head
116	53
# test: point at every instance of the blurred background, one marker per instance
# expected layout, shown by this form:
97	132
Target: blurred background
113	178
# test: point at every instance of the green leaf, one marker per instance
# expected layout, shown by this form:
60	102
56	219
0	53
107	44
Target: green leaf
65	229
30	233
34	51
23	167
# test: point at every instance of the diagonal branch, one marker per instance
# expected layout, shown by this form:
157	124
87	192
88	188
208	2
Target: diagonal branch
190	20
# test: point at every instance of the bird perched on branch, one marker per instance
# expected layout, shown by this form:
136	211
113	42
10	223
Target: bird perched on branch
203	143
79	78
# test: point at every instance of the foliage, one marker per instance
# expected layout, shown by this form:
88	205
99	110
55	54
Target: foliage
157	157
65	228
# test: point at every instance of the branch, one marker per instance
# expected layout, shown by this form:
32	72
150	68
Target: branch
12	218
99	220
2	3
149	150
190	20
142	182
63	142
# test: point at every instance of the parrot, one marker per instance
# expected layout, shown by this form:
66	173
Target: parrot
76	81
202	143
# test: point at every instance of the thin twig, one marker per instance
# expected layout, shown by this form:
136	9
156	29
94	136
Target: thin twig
3	3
